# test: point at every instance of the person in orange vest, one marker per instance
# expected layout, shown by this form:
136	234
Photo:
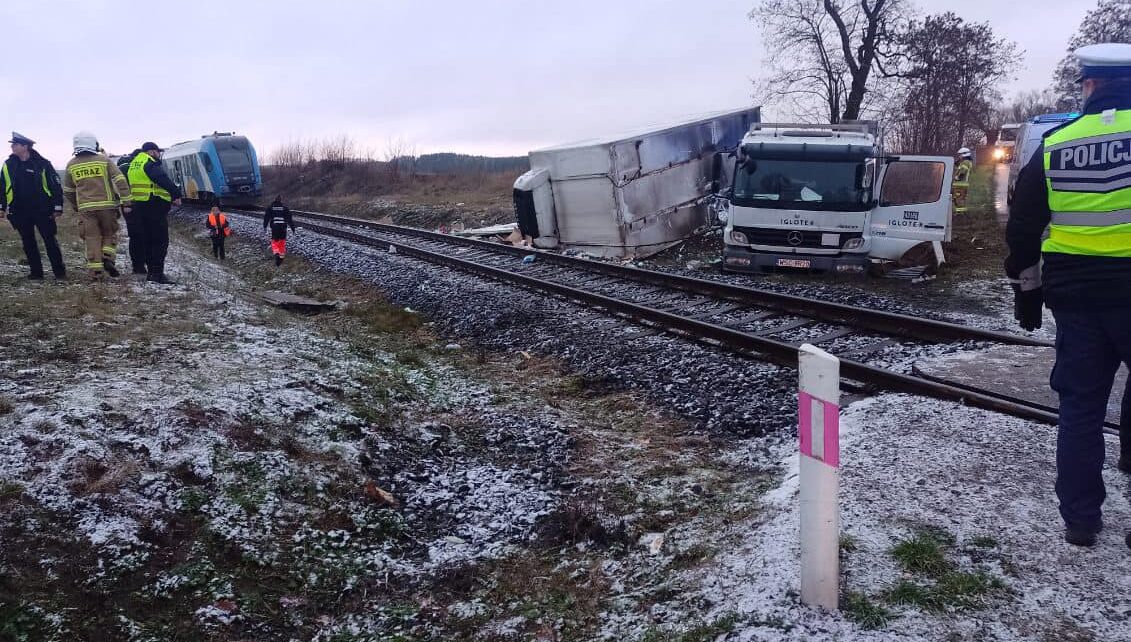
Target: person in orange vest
218	230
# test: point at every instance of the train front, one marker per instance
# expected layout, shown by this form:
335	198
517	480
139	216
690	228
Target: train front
242	181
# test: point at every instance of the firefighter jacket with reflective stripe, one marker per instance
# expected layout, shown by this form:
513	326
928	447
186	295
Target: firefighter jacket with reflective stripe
1078	184
218	225
31	186
92	182
143	185
962	172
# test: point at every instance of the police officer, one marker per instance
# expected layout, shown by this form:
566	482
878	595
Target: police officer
1079	185
153	194
133	229
32	199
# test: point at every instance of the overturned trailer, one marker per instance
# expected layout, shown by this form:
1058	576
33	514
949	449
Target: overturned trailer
630	195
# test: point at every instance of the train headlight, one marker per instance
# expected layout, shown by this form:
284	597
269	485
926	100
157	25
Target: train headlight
738	237
999	153
853	244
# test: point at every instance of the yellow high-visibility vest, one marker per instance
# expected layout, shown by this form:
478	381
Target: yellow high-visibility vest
1088	177
141	186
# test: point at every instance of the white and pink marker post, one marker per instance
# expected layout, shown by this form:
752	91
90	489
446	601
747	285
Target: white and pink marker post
819	428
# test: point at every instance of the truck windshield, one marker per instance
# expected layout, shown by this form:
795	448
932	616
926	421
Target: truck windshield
802	185
1008	135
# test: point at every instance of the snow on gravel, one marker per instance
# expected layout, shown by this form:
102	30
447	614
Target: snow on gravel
909	462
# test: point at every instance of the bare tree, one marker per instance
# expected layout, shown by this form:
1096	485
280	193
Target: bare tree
400	157
1110	21
823	52
951	71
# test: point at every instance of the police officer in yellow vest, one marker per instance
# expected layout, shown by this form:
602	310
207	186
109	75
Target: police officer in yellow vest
32	198
1079	185
153	194
95	188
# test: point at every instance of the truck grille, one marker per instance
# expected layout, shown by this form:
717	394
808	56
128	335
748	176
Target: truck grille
789	238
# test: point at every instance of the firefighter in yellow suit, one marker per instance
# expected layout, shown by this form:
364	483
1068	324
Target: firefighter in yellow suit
95	188
961	185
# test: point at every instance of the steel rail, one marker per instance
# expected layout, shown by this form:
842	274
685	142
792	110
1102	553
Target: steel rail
736	340
889	323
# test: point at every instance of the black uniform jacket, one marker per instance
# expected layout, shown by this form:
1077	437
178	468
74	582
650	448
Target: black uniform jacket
1071	281
278	217
28	197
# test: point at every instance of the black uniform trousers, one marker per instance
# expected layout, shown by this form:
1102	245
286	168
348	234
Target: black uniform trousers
137	241
218	246
1090	345
152	217
26	225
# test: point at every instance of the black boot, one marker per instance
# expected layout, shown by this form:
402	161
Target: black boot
108	265
278	260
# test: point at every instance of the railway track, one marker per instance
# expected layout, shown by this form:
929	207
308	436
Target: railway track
756	323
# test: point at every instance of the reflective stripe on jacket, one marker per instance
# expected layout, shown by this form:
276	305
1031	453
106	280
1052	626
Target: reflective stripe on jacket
92	182
142	188
1088	175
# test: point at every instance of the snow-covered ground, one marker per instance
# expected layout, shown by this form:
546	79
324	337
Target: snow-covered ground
984	480
184	463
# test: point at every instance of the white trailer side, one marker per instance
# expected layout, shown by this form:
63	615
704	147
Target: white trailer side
630	195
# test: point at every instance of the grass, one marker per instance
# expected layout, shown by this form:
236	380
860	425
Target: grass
700	632
865	612
952	591
978	247
922	554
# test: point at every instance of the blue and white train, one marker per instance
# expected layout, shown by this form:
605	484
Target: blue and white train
219	167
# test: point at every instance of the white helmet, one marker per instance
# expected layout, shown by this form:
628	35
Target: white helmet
965	151
86	142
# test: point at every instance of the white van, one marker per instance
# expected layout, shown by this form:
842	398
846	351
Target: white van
1029	138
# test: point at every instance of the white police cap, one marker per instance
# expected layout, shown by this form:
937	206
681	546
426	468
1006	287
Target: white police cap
1106	60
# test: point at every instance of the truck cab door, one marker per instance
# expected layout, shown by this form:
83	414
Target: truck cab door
914	202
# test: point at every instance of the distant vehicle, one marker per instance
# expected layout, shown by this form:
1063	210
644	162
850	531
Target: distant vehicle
220	167
1006	142
1029	139
826	198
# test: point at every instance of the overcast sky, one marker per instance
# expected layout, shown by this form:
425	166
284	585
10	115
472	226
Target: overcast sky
474	76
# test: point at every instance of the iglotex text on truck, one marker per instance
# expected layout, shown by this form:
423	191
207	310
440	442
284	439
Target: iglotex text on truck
825	198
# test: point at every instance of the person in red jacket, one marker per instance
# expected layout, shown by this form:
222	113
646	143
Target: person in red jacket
218	230
278	217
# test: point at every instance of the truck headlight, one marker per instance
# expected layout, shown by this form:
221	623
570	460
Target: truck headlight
738	237
853	244
999	153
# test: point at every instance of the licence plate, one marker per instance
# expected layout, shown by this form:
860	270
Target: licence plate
793	263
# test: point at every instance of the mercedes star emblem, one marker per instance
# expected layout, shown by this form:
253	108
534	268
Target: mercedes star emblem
795	238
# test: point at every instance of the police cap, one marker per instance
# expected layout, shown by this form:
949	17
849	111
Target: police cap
20	139
1106	60
151	147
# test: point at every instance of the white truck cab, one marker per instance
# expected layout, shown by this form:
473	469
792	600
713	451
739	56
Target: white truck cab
825	198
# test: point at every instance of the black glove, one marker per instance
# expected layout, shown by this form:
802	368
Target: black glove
1028	307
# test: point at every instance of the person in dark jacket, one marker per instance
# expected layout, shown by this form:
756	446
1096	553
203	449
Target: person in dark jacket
32	198
278	217
133	227
1078	185
153	194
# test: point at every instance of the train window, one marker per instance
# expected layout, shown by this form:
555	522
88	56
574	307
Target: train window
234	160
206	160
